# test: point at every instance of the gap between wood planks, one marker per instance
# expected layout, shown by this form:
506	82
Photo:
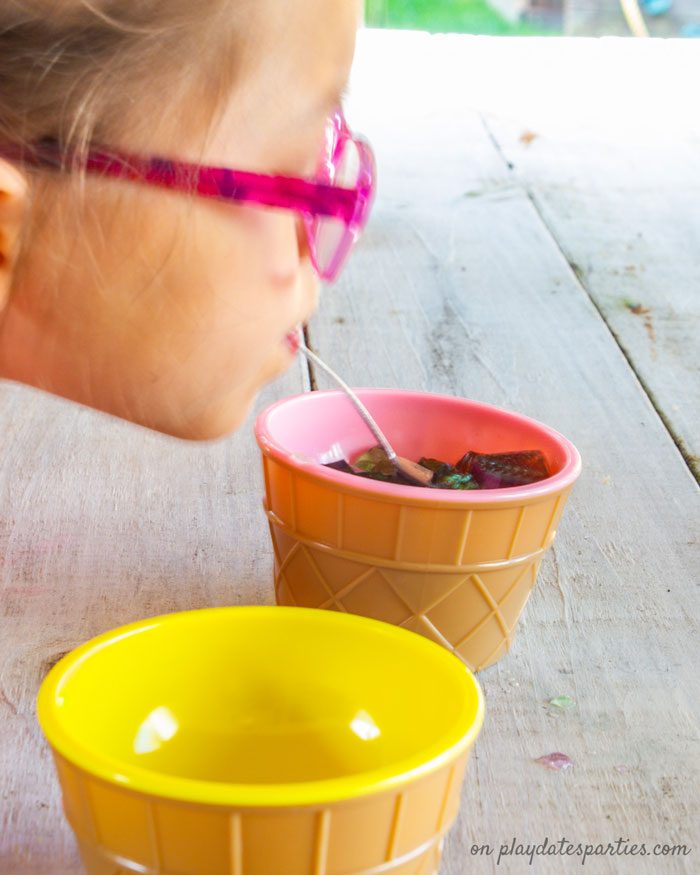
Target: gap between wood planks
691	461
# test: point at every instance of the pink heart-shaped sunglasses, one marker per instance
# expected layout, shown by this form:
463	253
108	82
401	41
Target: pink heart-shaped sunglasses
334	206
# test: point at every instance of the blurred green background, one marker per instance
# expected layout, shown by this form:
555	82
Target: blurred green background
448	16
662	18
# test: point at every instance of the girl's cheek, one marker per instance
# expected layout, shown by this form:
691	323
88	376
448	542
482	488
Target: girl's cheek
288	273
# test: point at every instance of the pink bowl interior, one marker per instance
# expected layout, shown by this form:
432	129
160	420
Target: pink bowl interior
325	427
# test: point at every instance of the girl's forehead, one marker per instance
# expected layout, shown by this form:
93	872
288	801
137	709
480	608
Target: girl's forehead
313	40
295	63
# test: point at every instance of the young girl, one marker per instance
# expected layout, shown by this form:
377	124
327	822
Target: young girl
136	276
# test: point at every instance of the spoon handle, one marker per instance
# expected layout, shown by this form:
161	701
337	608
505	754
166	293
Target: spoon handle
361	409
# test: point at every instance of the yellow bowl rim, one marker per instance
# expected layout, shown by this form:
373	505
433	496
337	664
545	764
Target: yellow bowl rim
141	780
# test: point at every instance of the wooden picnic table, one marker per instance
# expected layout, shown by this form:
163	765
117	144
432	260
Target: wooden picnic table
535	245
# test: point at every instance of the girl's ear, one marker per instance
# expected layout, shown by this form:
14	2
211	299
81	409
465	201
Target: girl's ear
13	207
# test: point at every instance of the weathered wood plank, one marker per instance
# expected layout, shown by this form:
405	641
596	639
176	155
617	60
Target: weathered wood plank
618	186
460	288
104	523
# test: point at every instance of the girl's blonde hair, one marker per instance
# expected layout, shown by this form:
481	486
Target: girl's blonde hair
111	72
80	71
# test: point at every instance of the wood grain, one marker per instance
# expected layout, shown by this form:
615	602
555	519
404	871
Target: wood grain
104	523
618	187
460	287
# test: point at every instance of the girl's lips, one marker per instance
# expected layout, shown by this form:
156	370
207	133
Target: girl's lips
292	341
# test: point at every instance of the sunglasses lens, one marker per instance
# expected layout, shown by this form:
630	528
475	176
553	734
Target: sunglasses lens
332	235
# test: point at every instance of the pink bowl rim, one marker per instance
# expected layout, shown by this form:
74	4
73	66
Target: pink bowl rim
411	494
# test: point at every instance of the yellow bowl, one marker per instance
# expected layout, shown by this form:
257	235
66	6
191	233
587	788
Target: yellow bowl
260	741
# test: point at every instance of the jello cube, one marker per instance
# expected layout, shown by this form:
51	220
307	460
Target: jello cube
500	470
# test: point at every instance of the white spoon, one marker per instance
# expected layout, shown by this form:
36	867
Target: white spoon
410	470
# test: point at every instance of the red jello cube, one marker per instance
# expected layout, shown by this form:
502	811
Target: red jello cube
500	470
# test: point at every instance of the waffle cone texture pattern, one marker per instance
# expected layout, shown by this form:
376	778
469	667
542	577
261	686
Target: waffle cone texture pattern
458	571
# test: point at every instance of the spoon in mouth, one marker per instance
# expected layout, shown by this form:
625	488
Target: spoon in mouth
412	471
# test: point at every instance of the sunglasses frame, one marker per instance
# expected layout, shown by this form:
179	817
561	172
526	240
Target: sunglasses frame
312	199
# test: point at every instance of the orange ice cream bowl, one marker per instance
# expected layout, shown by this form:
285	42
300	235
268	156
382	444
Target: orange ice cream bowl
454	566
260	741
